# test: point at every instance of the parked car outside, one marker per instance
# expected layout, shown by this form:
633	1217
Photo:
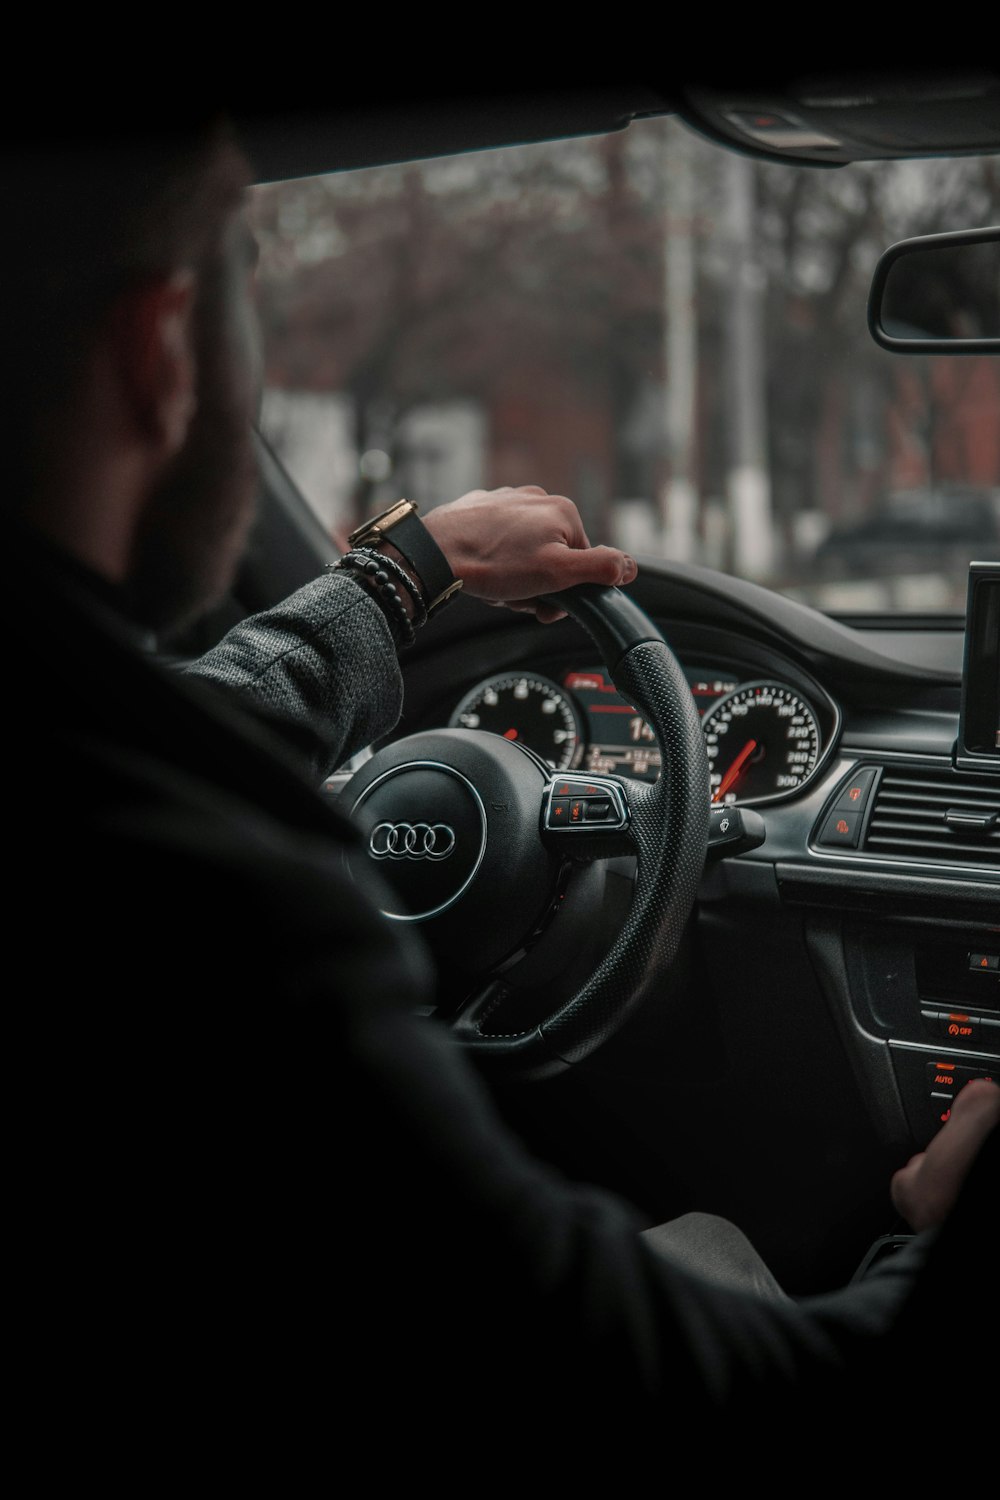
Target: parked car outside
916	531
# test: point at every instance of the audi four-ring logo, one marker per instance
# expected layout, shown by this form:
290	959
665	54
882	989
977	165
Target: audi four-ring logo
411	841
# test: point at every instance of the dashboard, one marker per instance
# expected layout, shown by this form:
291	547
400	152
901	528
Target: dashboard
790	701
875	896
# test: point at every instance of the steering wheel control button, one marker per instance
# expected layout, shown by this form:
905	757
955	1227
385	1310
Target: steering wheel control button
426	834
590	806
597	810
855	793
842	829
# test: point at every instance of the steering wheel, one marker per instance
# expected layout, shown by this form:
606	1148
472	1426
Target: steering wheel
470	833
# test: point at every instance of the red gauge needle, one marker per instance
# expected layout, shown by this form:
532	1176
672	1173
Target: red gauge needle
735	769
510	734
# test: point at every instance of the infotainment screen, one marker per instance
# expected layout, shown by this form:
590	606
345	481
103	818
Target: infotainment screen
979	729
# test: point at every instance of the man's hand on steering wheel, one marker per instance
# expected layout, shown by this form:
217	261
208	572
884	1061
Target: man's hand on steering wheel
511	545
479	843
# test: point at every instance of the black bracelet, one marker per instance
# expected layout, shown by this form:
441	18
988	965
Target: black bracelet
383	590
402	526
419	603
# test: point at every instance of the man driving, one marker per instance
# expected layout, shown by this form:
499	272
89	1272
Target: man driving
265	1208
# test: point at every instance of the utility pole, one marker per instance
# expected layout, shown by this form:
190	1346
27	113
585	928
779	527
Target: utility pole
748	481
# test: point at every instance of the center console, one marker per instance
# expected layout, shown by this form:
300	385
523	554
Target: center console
932	997
903	919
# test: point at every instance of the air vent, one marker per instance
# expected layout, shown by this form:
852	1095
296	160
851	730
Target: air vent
936	815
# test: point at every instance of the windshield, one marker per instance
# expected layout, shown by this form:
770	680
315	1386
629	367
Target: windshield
671	334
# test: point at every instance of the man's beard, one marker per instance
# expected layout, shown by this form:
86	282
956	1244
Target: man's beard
195	524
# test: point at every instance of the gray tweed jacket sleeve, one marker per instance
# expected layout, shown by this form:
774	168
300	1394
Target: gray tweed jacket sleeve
320	667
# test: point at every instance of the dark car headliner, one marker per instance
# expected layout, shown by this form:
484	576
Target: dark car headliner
824	117
822	111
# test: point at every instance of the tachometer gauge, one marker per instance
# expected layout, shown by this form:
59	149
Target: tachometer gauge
763	742
528	709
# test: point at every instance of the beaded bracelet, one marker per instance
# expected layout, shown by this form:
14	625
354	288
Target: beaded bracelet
383	588
419	605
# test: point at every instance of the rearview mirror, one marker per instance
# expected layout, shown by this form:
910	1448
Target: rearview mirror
939	294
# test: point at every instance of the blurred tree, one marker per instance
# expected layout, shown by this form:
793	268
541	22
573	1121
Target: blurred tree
832	391
475	277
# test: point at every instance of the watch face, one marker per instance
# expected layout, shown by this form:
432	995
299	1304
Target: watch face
373	526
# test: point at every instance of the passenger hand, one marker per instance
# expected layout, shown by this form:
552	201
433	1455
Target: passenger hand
511	545
925	1190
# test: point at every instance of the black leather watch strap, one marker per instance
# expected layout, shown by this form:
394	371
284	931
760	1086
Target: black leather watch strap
402	526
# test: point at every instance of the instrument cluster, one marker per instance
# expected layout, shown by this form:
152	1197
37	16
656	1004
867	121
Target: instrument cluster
765	738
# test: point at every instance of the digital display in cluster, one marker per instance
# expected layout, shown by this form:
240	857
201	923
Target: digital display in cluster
619	741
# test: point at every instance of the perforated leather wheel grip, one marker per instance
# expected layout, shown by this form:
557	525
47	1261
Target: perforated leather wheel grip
669	832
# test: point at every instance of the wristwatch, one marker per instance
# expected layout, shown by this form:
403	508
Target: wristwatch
415	542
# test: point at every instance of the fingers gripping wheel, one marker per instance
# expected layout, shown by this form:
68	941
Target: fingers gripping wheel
668	828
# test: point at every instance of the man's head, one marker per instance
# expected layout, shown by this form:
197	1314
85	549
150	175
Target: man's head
130	346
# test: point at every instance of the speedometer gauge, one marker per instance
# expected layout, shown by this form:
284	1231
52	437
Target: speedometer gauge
763	742
528	709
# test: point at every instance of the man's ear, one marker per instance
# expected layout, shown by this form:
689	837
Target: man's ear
155	359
